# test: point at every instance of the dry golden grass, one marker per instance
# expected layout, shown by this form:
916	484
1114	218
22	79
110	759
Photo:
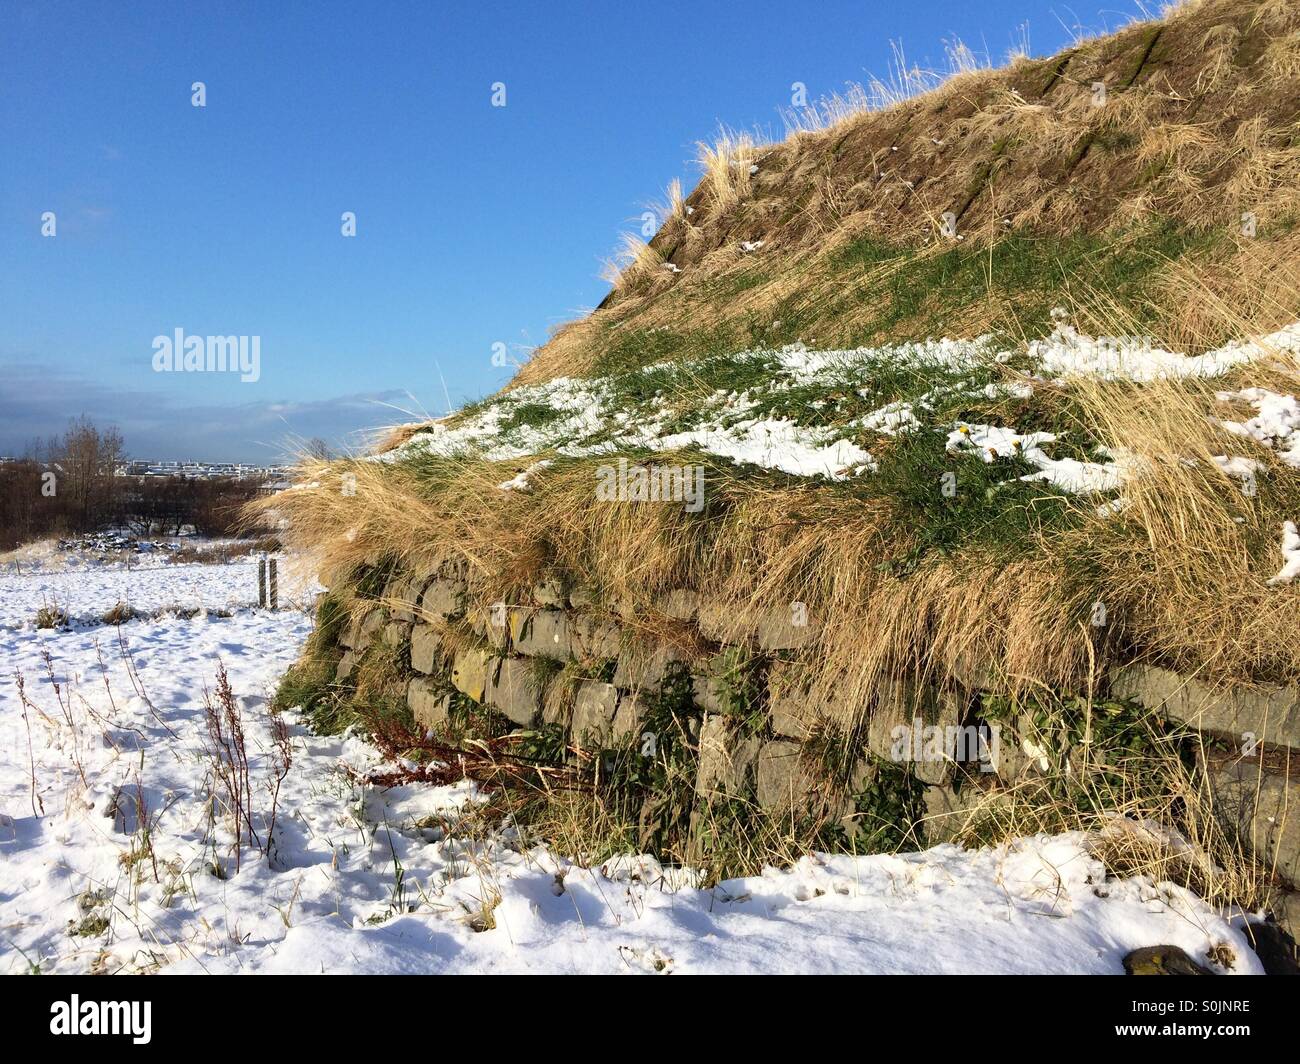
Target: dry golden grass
1149	814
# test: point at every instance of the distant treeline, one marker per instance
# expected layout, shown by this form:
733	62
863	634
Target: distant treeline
68	485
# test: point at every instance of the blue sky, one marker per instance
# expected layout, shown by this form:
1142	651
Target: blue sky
475	224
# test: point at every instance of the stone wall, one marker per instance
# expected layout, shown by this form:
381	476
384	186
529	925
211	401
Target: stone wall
559	659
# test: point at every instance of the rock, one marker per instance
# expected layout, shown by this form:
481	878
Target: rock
681	604
469	672
907	705
426	644
492	622
347	663
594	709
394	633
551	590
358	634
727	760
402	596
641	671
1162	960
514	692
709	693
628	716
541	633
594	639
1271	714
781	781
778	630
946	812
429	702
792	710
1261	806
442	599
1285	906
1276	949
722	623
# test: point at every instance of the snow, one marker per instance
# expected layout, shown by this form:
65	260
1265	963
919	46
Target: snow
86	595
1067	352
120	749
992	442
1276	422
1290	555
586	418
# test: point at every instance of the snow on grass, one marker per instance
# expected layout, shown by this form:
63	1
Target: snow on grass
1290	555
110	859
792	409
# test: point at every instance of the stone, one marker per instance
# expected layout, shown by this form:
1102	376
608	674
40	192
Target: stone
641	671
594	708
426	644
947	811
791	708
777	630
541	633
727	759
781	783
443	598
1274	945
514	691
710	694
363	629
628	716
1261	806
722	623
907	705
680	604
1285	906
1271	714
395	633
347	663
491	622
1162	960
551	590
594	639
469	672
429	701
402	596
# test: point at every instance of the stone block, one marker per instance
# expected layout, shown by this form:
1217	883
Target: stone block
681	604
514	692
429	702
727	760
358	634
541	633
781	783
593	638
1263	807
1271	714
347	663
426	646
595	707
443	598
402	596
777	630
639	670
395	633
552	590
470	672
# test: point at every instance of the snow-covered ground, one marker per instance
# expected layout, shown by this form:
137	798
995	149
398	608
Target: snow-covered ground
111	860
